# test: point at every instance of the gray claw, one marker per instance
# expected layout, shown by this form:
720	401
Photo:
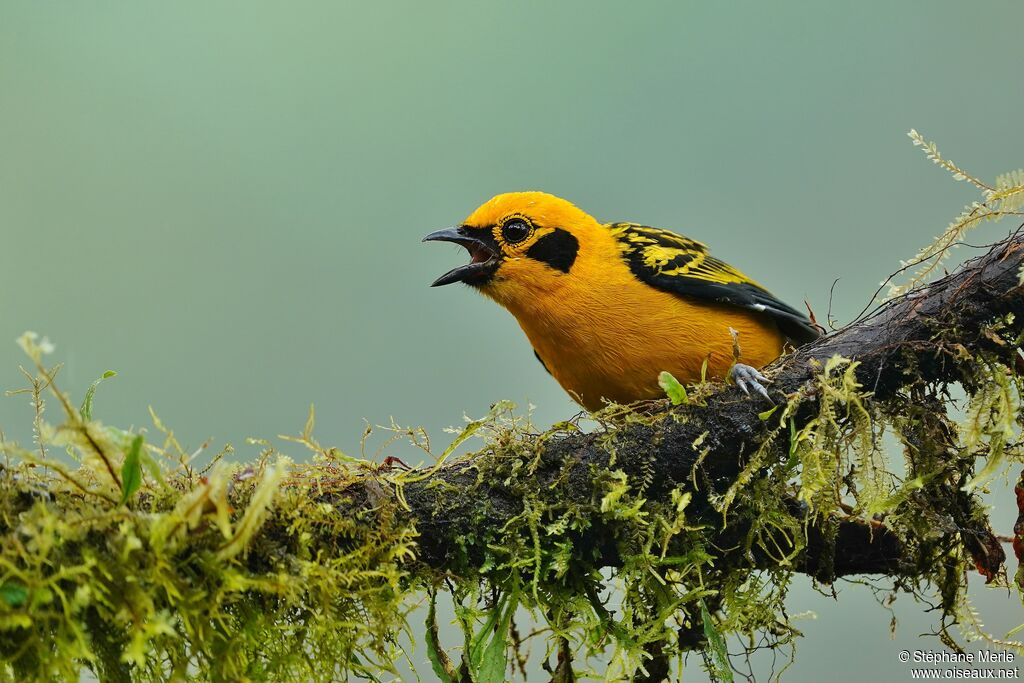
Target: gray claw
747	378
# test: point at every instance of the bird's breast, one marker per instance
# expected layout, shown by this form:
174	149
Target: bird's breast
610	338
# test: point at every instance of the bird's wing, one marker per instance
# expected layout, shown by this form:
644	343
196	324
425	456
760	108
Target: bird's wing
677	264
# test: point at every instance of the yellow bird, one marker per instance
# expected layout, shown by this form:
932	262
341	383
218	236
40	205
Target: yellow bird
608	307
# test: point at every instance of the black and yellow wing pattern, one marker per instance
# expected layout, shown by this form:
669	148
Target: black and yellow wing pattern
680	265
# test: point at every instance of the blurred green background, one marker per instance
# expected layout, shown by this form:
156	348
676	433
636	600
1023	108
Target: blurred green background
224	201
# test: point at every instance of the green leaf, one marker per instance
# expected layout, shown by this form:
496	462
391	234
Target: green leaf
153	467
480	640
86	409
131	470
495	660
766	414
719	660
675	391
13	593
439	661
491	661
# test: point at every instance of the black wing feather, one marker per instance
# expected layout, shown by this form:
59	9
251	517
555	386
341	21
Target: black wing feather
679	265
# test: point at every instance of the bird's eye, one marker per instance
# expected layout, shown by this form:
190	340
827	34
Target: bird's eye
515	231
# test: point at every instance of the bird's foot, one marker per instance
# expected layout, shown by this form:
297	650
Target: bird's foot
747	378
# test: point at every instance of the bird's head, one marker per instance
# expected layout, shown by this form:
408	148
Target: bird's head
519	243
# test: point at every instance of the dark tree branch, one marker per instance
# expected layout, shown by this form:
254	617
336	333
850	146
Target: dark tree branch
917	336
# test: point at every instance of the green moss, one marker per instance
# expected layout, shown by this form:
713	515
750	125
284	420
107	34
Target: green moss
119	556
278	571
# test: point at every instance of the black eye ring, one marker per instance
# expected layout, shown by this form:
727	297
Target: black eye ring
516	230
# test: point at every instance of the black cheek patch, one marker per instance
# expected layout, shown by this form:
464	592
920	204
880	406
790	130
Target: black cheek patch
557	249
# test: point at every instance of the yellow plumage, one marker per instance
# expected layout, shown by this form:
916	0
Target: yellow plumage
608	307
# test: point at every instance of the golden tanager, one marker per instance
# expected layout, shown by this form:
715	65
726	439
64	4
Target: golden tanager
608	307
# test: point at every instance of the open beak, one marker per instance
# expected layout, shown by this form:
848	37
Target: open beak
483	256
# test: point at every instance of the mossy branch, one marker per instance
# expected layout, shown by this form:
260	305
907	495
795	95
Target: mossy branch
668	528
929	335
703	508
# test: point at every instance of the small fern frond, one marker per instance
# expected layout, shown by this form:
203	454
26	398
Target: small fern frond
1005	199
1009	192
931	151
